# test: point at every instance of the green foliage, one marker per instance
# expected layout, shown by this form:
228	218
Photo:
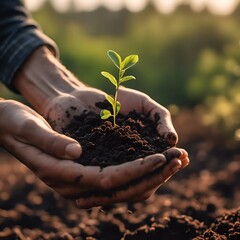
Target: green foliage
188	65
122	66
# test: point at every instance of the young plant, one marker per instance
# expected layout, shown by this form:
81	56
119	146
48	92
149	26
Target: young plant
122	66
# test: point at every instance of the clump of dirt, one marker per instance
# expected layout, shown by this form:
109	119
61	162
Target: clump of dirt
179	227
133	137
183	227
225	227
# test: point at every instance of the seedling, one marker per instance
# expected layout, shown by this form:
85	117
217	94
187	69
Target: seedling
122	66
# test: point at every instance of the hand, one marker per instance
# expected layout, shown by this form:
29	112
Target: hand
49	155
59	96
61	110
112	191
140	188
23	132
134	100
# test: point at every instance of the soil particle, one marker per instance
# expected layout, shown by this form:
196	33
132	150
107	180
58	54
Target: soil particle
135	136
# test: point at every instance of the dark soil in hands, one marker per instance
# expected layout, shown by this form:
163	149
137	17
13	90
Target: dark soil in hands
202	202
133	137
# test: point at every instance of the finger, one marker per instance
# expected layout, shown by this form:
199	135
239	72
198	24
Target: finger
71	191
46	167
82	178
115	176
75	191
162	116
177	153
144	104
173	153
146	195
129	171
51	142
93	178
131	192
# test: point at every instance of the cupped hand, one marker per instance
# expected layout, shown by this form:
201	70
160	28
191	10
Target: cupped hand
141	187
58	96
140	102
60	110
129	184
22	128
26	135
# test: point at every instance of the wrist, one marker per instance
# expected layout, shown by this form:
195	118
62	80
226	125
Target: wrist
42	77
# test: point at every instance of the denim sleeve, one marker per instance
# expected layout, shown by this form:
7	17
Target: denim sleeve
19	37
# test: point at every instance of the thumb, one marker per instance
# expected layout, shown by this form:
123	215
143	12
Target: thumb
49	141
62	146
162	116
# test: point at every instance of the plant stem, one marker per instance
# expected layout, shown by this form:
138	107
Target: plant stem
115	107
115	98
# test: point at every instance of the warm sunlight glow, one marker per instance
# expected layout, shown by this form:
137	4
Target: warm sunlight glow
61	6
34	5
164	6
113	5
135	6
221	7
83	5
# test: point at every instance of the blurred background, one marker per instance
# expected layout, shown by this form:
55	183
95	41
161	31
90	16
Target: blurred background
189	50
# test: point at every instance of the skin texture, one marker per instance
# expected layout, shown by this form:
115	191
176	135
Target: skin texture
58	96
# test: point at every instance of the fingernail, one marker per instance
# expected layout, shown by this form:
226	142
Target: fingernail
73	150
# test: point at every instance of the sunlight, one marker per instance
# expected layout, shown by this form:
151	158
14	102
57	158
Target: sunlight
220	7
83	5
34	5
165	6
113	5
61	6
135	6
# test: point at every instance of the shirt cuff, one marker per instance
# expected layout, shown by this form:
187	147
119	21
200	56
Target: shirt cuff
15	53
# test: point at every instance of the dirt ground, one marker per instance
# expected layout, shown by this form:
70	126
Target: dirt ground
200	202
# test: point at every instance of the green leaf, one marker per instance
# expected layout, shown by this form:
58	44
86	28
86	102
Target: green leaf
110	77
129	61
121	73
127	78
118	107
110	99
105	114
115	57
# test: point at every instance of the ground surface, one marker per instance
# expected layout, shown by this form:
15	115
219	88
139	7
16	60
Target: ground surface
200	202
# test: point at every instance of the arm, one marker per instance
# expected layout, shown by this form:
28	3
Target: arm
19	37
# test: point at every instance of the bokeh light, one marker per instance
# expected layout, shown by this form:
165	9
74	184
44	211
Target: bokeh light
220	7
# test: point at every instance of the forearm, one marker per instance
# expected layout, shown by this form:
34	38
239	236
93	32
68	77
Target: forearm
19	37
42	77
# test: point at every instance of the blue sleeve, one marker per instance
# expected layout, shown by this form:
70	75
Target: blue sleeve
19	37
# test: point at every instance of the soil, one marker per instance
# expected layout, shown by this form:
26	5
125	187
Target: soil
200	202
134	136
